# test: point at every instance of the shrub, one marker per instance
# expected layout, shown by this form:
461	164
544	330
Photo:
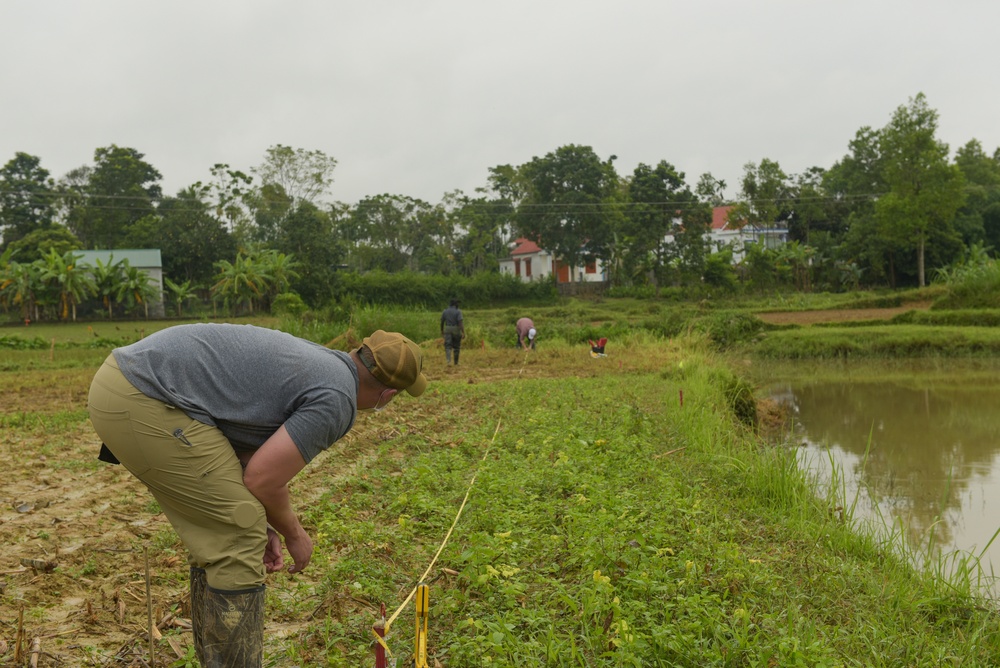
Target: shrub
726	329
288	303
432	291
14	342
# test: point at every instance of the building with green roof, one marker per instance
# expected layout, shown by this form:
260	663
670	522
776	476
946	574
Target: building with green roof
145	259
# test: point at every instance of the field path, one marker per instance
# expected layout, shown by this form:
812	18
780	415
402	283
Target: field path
839	315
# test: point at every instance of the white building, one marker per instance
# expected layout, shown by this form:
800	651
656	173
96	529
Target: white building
145	259
724	233
529	262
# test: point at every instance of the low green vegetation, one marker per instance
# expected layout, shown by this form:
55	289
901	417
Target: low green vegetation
620	511
877	341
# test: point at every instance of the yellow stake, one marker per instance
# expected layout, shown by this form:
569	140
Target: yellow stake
422	605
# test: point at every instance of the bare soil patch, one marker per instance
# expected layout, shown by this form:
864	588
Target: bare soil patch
838	315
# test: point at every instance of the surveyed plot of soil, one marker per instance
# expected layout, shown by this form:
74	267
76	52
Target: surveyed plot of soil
79	538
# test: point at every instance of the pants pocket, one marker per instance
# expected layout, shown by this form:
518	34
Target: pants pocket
115	430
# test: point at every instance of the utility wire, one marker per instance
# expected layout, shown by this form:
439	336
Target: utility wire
135	203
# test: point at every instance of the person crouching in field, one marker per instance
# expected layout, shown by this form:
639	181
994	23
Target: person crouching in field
215	420
526	333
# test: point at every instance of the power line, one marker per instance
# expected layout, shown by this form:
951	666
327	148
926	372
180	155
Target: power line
131	203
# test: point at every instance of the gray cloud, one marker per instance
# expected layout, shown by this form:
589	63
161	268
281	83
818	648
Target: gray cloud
422	98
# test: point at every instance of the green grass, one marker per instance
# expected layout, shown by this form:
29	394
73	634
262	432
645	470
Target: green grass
877	341
609	523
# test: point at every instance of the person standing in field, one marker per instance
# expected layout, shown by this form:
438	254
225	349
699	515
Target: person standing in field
215	420
525	333
453	330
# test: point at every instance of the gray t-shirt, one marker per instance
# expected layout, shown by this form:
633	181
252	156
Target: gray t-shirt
248	381
451	317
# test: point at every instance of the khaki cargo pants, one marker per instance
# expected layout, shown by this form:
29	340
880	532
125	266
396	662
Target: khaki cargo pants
192	471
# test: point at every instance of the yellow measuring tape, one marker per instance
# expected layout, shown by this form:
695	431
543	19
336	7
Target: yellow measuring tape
422	604
415	590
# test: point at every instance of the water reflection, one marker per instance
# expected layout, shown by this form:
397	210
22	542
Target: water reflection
920	443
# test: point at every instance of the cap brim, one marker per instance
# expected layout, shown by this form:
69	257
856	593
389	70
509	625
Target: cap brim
418	387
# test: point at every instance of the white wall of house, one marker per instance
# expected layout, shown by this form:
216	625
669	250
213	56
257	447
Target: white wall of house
771	238
534	266
530	263
540	265
145	259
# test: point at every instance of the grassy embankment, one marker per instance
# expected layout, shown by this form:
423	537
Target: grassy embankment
620	512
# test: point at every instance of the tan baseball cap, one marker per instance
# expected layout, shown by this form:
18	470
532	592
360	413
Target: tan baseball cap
398	361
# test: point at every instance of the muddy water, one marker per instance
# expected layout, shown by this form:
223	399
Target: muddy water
917	444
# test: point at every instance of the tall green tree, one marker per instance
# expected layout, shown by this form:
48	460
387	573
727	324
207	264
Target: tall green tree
508	184
660	205
429	238
765	195
384	227
853	185
121	189
228	194
190	237
924	190
305	176
271	207
483	227
568	206
305	255
978	221
37	244
711	190
809	207
27	198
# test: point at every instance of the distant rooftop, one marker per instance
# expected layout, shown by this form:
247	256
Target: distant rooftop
137	257
525	246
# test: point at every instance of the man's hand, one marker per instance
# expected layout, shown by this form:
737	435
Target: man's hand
273	559
266	476
301	549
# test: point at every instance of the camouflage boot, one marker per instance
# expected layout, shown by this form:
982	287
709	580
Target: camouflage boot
198	585
234	628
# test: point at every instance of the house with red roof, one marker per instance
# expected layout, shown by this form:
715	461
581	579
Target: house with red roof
726	232
529	262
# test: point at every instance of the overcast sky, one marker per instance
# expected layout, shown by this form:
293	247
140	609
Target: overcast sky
422	97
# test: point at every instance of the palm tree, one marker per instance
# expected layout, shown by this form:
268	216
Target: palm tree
135	288
73	282
107	278
179	293
798	258
240	282
278	270
18	284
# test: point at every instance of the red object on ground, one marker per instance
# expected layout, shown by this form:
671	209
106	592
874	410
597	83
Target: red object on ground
379	629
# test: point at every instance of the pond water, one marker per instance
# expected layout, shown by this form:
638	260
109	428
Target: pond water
915	443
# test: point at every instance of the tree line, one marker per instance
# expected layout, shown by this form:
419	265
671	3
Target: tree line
893	211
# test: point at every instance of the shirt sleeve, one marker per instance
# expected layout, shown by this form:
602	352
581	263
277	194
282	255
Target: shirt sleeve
320	422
